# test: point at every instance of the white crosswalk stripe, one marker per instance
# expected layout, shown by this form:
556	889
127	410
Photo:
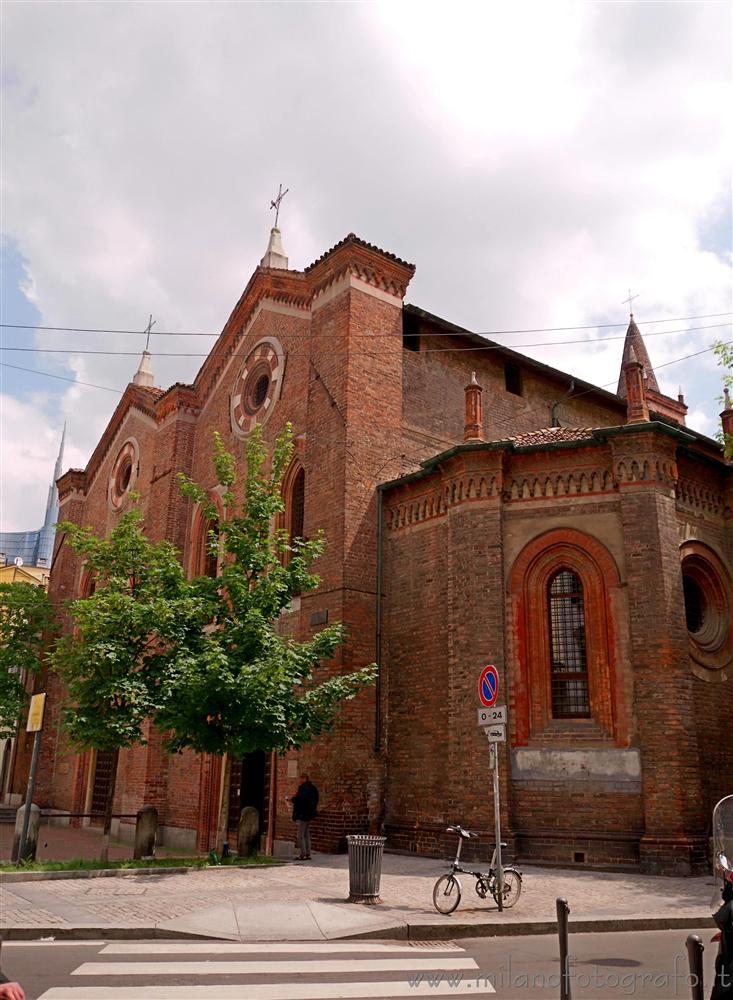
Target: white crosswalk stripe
373	971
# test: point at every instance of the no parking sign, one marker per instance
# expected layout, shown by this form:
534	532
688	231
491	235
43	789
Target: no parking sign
488	685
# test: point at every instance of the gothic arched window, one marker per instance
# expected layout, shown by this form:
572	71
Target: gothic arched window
210	548
204	549
569	665
297	505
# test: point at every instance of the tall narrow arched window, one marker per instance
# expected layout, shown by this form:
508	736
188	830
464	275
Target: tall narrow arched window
297	505
569	665
210	549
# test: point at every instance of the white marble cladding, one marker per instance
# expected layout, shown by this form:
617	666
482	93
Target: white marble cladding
577	765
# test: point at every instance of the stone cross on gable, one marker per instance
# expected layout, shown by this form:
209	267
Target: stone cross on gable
275	203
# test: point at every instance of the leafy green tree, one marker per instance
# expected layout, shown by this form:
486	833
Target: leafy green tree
724	354
26	613
251	687
141	612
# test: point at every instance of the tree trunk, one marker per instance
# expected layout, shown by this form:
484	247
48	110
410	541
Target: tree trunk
104	856
221	833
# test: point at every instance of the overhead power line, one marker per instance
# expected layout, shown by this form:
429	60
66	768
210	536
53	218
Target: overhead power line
454	333
92	385
425	350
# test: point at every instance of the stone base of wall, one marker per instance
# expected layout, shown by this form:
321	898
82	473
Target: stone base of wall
330	829
578	849
177	837
433	841
674	855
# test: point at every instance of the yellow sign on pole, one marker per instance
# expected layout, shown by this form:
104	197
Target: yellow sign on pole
35	713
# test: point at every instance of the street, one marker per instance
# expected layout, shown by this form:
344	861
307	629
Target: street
648	965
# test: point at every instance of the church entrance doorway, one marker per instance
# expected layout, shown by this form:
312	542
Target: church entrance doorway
248	786
103	763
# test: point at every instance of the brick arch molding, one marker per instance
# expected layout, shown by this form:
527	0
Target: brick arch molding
529	637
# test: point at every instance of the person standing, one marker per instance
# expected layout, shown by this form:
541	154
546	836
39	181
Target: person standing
305	809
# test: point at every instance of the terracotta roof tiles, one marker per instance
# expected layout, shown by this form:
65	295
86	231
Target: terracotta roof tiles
552	435
353	238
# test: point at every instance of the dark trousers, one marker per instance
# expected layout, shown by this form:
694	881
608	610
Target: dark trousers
304	837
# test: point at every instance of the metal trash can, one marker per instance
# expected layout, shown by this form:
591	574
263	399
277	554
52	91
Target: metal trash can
365	867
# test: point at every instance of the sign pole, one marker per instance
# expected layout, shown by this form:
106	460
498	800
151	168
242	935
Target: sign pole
497	829
492	718
34	725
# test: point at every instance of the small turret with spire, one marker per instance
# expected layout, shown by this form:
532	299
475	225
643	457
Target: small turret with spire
647	396
634	346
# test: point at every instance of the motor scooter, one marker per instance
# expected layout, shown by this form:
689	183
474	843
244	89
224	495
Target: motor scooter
723	914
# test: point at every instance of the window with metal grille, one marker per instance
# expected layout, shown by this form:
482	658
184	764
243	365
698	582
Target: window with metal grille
569	667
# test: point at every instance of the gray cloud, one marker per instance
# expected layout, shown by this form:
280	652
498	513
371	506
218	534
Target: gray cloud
532	160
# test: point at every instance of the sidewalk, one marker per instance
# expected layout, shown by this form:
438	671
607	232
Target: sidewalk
306	902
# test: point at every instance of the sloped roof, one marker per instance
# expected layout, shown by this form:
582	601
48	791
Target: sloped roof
357	241
552	435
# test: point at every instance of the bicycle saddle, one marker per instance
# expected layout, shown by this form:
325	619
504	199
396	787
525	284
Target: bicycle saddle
461	832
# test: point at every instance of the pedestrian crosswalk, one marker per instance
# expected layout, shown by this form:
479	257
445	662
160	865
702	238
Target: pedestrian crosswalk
334	970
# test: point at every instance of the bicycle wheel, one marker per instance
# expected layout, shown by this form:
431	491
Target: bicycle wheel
512	888
446	894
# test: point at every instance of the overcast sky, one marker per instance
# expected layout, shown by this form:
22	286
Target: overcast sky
534	160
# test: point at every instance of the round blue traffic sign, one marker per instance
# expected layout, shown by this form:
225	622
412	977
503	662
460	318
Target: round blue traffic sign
488	685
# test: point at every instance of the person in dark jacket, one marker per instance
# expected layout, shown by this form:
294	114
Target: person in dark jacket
305	808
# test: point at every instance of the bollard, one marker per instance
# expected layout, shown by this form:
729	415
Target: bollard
146	830
31	833
563	912
695	948
248	840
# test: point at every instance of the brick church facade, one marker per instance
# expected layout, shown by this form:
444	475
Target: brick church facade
580	540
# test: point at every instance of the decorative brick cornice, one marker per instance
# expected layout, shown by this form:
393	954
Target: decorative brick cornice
179	397
699	496
72	483
362	260
272	284
138	397
550	486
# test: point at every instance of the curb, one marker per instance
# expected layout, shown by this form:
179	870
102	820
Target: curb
399	932
8	878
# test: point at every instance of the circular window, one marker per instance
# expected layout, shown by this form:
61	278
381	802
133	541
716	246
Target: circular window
124	473
257	387
259	394
708	596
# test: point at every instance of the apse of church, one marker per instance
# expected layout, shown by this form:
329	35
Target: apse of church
578	539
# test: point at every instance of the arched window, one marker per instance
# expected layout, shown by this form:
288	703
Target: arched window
297	505
210	541
568	662
204	547
565	598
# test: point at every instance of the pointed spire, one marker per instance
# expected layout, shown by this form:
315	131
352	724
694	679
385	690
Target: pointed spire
52	502
144	374
635	350
275	255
